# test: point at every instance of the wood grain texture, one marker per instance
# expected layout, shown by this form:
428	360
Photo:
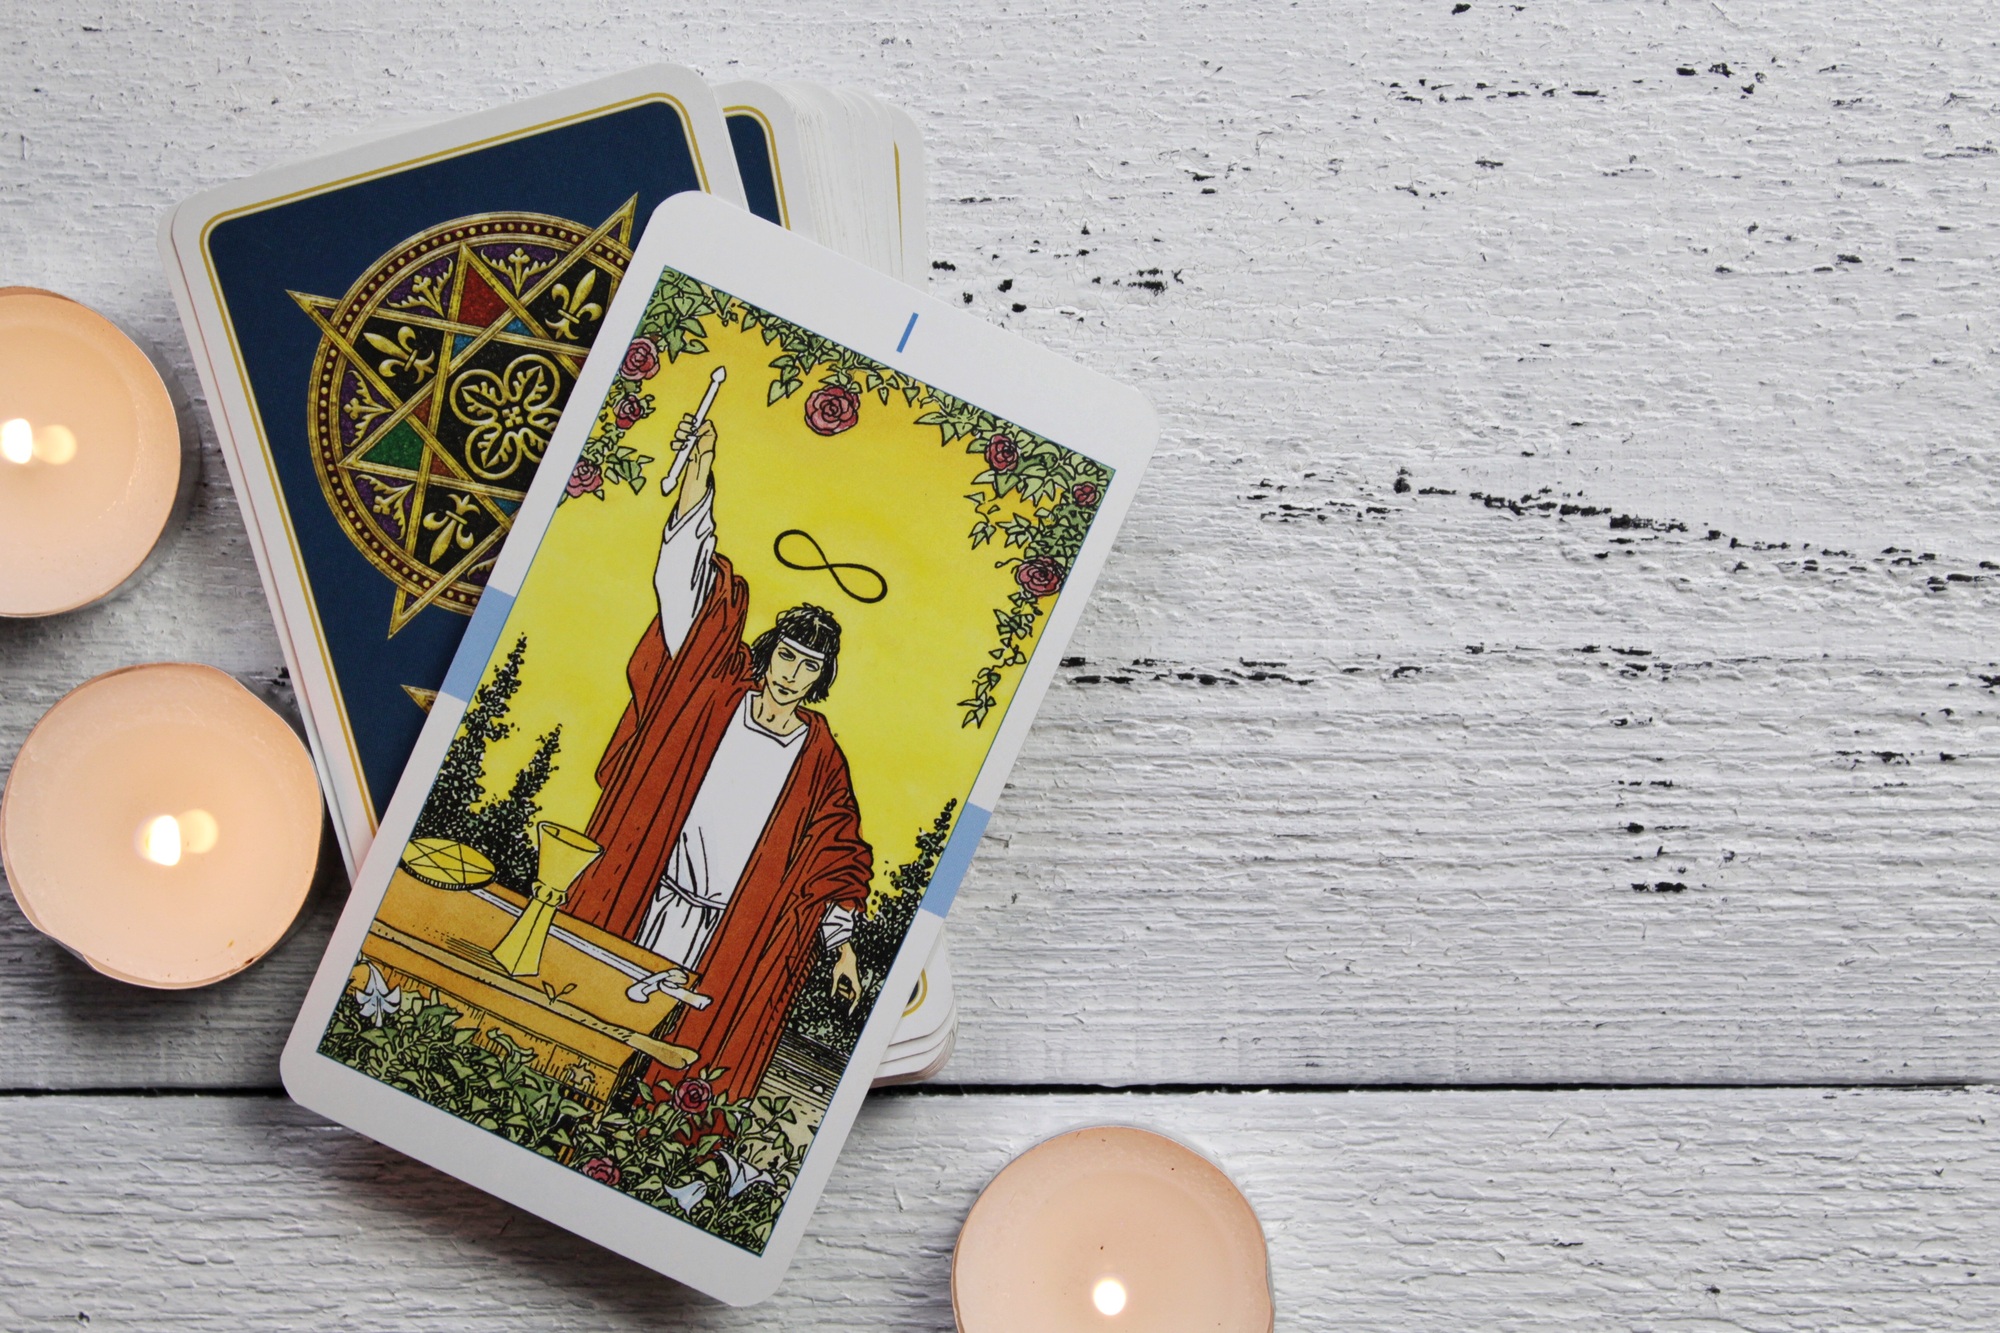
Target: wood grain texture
1577	476
1769	1210
1556	643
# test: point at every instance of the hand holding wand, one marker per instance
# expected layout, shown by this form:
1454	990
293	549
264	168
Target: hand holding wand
689	432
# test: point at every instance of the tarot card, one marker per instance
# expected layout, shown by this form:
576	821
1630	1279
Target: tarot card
868	169
764	130
875	142
867	134
911	174
929	1024
930	1009
752	716
387	336
917	1067
826	131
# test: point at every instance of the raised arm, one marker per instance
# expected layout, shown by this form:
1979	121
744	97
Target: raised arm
686	567
697	477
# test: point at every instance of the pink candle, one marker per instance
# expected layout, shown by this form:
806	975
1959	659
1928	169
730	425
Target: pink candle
163	824
91	460
1108	1229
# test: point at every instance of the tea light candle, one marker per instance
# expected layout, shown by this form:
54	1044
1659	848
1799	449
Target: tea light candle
92	464
1111	1228
162	823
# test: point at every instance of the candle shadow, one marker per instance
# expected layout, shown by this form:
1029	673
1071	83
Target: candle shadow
500	1253
481	1259
28	634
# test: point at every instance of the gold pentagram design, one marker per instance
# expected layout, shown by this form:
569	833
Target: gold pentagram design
439	379
444	864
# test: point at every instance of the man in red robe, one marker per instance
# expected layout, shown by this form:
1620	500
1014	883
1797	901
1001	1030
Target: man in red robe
732	842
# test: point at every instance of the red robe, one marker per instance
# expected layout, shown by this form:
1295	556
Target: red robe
810	856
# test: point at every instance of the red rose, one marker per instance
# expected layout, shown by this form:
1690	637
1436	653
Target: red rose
627	411
600	1169
586	479
1085	494
1039	577
642	360
693	1095
832	409
1002	453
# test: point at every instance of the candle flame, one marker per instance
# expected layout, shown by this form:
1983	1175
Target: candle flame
22	442
17	440
160	840
1108	1296
164	839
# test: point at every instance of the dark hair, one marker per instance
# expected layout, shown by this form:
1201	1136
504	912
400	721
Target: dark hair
809	627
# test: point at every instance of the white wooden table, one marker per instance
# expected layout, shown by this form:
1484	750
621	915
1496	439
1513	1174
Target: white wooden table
1524	799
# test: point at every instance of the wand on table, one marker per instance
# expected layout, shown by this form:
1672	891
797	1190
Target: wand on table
693	431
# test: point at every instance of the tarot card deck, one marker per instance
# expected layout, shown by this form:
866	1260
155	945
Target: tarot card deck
765	692
389	333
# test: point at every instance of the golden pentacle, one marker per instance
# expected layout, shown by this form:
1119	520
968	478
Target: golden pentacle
444	864
438	383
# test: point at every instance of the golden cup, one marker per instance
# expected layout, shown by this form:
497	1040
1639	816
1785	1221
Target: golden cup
562	854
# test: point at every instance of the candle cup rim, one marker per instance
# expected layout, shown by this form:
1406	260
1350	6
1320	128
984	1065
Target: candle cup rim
23	894
1118	1127
23	289
188	441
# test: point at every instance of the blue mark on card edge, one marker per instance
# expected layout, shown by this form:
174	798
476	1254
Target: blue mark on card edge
488	619
957	857
905	340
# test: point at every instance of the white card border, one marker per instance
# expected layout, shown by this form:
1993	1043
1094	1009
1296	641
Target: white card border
781	137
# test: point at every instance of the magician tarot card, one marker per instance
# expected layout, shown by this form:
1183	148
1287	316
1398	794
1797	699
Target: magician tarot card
750	715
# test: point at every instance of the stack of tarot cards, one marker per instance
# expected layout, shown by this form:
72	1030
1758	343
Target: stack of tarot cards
668	590
388	335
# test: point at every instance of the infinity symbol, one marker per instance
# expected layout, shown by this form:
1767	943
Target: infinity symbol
832	567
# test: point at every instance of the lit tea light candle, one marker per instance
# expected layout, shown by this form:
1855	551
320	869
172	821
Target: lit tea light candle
1111	1228
162	823
92	460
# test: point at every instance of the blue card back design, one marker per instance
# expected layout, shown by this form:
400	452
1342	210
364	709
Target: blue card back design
757	163
409	342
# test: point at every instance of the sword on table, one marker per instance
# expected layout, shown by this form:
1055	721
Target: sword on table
645	984
693	431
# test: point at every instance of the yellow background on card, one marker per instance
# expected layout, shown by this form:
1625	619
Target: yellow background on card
884	493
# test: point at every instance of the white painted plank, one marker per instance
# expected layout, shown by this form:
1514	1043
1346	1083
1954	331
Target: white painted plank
1772	1210
1414	868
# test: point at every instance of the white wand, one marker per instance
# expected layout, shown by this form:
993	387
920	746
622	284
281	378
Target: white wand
693	431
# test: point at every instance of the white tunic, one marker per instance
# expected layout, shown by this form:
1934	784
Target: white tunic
742	784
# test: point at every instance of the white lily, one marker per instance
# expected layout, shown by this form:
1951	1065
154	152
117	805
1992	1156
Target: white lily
742	1175
377	1001
688	1195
